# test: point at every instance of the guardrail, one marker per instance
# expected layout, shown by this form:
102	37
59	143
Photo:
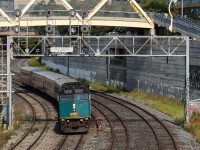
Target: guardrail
183	25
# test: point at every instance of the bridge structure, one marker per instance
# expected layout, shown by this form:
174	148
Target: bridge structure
74	45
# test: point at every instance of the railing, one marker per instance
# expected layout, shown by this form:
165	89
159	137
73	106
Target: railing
183	25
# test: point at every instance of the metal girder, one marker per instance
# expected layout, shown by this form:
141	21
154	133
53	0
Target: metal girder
68	7
4	79
24	10
96	21
6	16
141	46
96	9
138	9
30	20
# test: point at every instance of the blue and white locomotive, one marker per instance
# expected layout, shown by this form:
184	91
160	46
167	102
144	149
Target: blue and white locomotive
73	97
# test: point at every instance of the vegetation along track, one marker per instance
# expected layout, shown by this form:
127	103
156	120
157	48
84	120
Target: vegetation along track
144	130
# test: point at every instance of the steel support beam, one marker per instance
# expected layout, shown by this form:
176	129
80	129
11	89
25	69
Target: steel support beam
141	11
96	9
187	99
68	7
9	84
95	21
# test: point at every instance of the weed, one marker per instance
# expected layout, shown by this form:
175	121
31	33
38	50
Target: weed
33	130
34	62
5	136
106	88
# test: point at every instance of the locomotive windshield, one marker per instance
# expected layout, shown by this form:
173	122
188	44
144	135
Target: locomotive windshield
74	94
83	96
74	91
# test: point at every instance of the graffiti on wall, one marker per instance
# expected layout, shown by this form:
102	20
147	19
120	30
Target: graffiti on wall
195	76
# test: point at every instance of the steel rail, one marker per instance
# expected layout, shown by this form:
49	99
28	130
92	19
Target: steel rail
126	131
111	139
46	119
31	127
166	129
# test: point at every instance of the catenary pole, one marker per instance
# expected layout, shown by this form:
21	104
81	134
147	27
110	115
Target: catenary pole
187	81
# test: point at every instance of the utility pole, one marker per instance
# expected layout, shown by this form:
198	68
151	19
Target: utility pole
182	8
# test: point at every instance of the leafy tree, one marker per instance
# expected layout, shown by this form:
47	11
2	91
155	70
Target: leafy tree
155	6
100	30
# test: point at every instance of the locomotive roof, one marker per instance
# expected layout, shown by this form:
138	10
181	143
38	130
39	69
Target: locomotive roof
58	78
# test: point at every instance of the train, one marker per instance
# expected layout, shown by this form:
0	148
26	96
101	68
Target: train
73	97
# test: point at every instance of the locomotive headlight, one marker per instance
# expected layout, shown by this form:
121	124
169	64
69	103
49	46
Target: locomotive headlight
81	120
67	121
74	107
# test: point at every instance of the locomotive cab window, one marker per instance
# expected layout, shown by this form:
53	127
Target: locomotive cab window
74	94
83	96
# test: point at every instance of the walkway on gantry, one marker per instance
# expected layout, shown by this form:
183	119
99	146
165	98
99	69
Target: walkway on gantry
182	25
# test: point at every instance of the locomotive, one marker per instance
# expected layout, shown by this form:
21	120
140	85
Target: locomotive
73	97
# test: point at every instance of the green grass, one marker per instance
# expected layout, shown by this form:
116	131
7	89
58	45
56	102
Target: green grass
173	108
106	88
169	106
35	62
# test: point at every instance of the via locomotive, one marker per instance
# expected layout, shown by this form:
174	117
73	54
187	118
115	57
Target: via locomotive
73	97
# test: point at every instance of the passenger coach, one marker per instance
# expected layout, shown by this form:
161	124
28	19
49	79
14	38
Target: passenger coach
73	97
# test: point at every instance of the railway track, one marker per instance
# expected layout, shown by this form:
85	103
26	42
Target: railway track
130	128
65	142
50	135
138	121
32	124
70	139
76	139
119	133
35	105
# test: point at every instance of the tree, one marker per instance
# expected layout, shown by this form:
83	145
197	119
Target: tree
159	6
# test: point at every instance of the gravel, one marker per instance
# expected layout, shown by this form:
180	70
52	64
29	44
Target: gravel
184	140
